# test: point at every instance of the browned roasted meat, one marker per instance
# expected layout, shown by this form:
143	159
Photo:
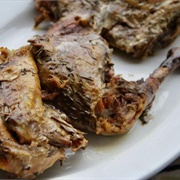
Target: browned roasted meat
25	161
48	9
33	135
77	65
133	26
76	72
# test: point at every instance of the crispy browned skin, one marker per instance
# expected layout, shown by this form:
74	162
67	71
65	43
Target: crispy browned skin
133	26
21	107
38	133
24	161
76	71
80	66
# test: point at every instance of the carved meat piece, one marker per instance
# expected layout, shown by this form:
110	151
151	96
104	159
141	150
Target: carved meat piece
134	26
76	68
37	134
76	72
25	161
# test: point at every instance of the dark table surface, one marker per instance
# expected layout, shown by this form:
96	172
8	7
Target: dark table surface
172	172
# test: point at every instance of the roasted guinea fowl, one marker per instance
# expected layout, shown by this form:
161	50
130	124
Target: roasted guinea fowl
77	76
133	26
33	135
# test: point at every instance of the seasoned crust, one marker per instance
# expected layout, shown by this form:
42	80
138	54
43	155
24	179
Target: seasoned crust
33	135
133	26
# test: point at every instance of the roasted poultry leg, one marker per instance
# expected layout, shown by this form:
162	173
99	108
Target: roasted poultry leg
77	76
33	135
133	26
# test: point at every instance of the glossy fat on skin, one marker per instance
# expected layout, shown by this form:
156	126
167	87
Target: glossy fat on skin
37	134
24	161
75	67
133	26
21	104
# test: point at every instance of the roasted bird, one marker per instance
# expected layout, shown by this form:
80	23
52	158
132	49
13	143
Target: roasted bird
133	26
33	135
77	76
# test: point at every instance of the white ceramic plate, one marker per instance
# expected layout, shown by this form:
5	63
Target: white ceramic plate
137	155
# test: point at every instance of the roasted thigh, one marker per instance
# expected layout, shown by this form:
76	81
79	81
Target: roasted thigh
74	70
77	76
